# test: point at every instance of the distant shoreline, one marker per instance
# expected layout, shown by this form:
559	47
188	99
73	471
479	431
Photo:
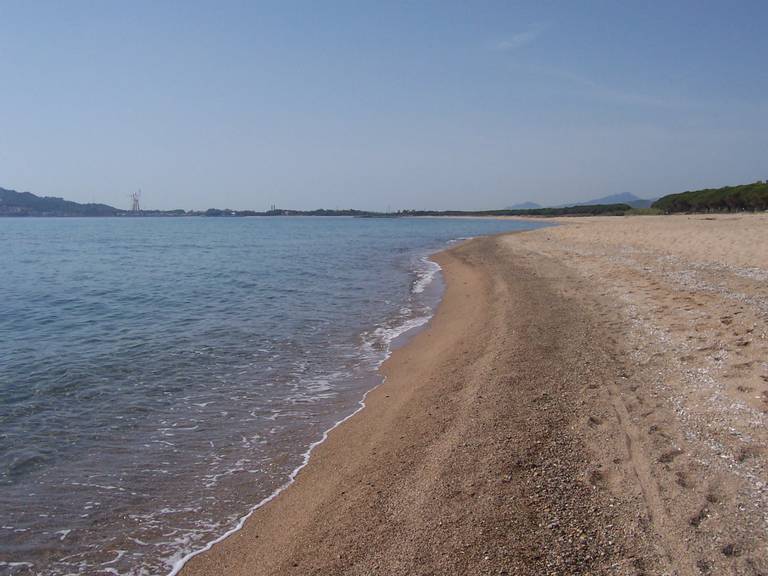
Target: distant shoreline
729	199
575	211
588	210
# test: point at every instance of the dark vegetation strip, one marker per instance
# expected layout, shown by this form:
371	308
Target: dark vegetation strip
743	198
14	203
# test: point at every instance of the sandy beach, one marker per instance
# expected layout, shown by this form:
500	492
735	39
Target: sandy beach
590	398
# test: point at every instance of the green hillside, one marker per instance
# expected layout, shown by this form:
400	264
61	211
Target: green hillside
14	203
743	198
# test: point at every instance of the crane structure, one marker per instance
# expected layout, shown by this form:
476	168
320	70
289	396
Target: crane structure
135	204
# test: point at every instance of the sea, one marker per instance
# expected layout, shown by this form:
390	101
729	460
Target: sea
162	377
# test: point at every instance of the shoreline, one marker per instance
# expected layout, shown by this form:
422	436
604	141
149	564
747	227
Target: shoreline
254	398
288	534
181	563
394	343
184	565
535	425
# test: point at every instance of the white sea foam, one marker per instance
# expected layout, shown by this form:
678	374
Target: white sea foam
385	335
179	564
426	275
389	335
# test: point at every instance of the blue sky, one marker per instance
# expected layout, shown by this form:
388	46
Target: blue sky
369	105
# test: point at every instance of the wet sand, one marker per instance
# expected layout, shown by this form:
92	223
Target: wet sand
589	399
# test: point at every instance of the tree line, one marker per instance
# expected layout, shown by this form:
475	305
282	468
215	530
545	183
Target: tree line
584	210
742	198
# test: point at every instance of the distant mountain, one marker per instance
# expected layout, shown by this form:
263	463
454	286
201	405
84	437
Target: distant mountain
623	198
524	206
13	203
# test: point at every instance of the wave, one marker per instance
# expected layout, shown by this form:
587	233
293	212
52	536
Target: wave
425	276
379	342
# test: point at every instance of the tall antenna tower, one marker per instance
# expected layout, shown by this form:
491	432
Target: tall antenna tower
135	206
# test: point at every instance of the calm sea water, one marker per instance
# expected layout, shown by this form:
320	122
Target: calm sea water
159	377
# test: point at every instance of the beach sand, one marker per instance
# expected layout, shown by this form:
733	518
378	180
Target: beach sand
589	399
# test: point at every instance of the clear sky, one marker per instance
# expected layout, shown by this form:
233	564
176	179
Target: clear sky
368	105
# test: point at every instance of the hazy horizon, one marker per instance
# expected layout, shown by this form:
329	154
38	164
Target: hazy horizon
376	106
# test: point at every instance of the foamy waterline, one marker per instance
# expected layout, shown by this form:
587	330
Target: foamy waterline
212	380
424	279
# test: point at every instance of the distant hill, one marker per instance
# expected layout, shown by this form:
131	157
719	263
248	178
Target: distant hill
525	206
13	203
623	198
742	198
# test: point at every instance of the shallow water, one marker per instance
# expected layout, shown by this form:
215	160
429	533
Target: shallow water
160	376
